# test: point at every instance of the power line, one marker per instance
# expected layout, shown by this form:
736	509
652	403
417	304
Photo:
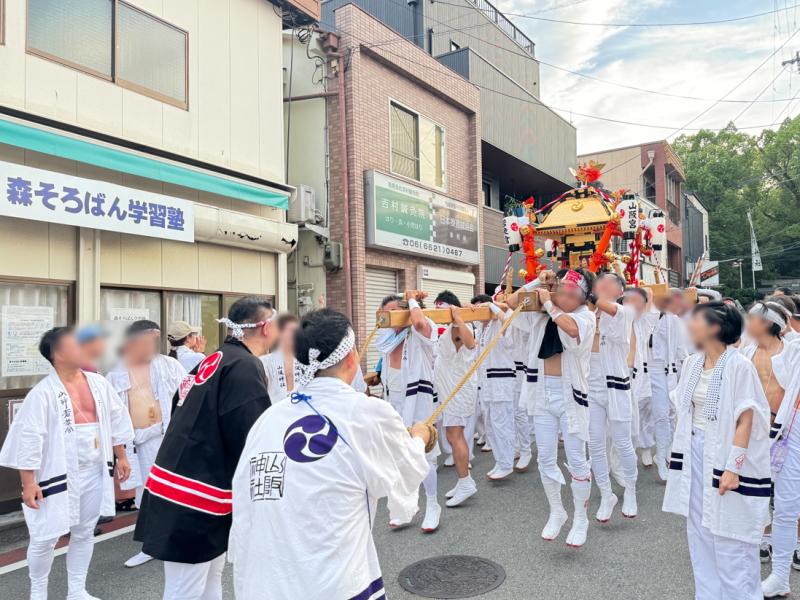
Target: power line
532	16
758	240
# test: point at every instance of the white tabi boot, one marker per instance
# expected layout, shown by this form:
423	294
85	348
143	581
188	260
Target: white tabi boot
432	513
661	457
629	499
608	500
499	473
464	489
580	524
449	461
647	457
137	560
558	516
524	461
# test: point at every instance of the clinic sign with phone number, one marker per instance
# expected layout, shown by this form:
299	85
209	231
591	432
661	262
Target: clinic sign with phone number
410	219
39	195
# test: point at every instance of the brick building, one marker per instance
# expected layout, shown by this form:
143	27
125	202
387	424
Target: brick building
654	171
413	128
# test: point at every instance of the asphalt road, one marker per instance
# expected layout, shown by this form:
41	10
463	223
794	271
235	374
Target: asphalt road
641	558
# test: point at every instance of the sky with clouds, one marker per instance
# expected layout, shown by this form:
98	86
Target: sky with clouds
702	61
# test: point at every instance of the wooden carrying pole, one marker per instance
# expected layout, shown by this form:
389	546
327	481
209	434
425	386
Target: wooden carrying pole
444	316
524	303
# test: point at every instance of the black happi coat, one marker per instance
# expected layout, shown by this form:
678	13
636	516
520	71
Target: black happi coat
186	508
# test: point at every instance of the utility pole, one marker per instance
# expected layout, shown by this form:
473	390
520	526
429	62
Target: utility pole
738	265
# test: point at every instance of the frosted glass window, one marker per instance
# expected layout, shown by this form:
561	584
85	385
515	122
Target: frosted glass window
431	151
76	31
151	54
404	142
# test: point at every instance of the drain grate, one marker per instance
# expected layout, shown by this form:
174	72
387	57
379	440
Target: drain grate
449	577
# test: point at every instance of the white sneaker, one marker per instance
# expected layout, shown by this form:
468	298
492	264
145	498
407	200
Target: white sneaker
629	507
137	560
432	513
500	473
524	461
647	457
466	487
773	587
449	461
608	500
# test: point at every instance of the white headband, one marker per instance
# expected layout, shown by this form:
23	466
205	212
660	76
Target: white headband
771	311
237	329
343	349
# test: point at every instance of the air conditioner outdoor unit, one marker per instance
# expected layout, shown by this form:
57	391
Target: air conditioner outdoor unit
303	206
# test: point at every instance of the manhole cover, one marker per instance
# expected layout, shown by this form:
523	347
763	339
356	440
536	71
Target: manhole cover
452	577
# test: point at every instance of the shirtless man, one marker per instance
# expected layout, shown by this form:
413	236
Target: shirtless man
63	442
555	389
146	382
765	322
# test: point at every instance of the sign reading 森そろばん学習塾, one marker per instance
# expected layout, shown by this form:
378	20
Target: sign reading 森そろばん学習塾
39	195
406	218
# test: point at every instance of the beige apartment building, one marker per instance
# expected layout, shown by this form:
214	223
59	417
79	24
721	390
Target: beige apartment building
142	170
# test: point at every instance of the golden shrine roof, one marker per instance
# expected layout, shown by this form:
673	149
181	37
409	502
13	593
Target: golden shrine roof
574	215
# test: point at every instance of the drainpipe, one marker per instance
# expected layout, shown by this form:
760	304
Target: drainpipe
330	43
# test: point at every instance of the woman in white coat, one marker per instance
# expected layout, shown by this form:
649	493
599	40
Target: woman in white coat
719	475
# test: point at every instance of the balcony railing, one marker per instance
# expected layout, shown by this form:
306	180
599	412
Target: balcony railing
506	25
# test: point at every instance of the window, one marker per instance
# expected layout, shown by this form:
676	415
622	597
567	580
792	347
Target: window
417	146
115	41
27	310
487	194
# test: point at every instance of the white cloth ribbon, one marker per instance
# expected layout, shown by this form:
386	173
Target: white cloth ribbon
771	311
237	329
314	365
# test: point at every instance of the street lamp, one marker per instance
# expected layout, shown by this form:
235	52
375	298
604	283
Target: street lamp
738	265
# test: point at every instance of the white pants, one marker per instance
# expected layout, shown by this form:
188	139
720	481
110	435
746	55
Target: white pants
724	568
202	581
523	427
620	431
659	401
480	417
146	453
787	507
81	541
547	427
647	424
501	431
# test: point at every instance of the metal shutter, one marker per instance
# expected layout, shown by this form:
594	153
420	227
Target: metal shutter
463	291
380	283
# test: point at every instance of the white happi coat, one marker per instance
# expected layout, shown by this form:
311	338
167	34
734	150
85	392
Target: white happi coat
166	375
305	499
574	368
449	369
497	374
416	375
614	346
643	327
786	368
277	384
742	513
519	345
669	340
276	377
43	439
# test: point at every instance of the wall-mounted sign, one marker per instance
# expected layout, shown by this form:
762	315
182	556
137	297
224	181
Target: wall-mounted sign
710	275
38	195
22	328
410	219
